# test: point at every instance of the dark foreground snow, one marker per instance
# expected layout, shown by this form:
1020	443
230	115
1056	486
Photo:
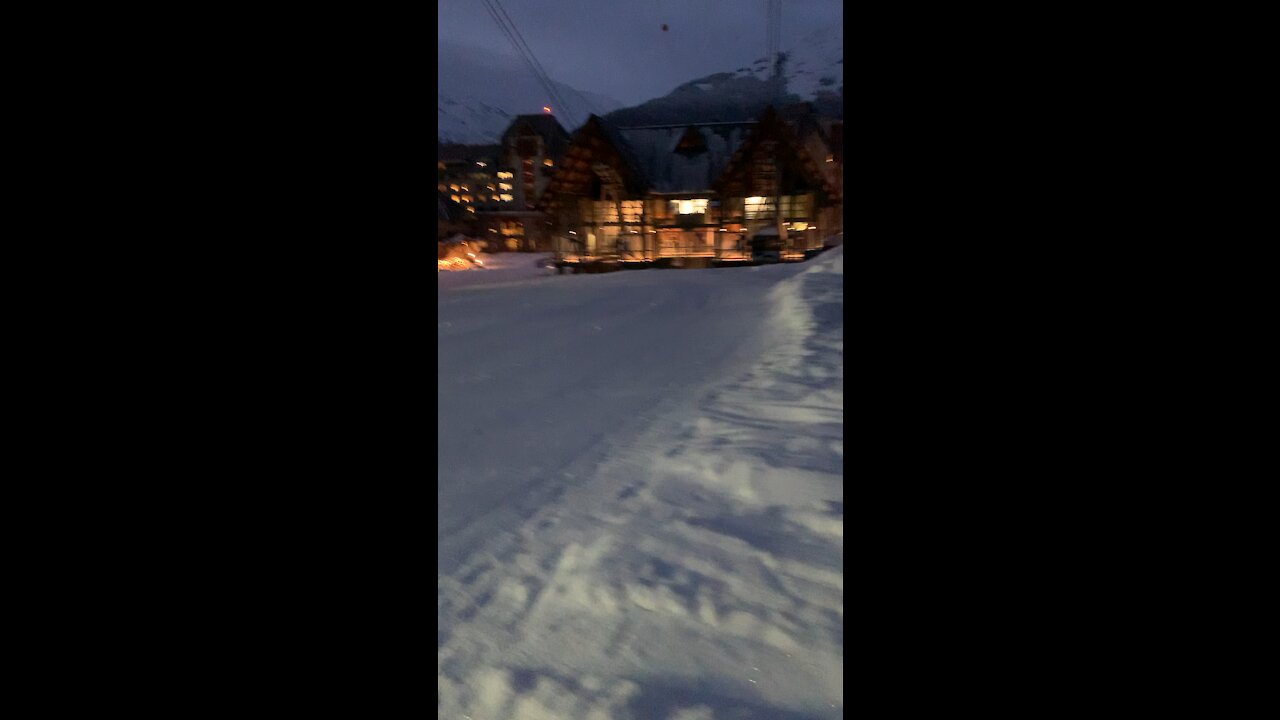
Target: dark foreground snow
641	501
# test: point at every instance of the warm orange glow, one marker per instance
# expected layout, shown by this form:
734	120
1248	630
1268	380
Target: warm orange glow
690	207
546	109
452	264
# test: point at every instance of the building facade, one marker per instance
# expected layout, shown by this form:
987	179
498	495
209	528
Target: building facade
710	192
494	189
532	148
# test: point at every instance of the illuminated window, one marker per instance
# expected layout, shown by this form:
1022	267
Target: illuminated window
757	208
504	186
548	162
797	206
505	197
470	209
466	198
455	198
505	175
690	207
606	211
632	211
453	188
480	164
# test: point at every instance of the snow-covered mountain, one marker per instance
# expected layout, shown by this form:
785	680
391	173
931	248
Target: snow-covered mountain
813	65
481	91
812	71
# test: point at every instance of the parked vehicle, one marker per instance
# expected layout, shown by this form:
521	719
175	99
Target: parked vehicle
766	246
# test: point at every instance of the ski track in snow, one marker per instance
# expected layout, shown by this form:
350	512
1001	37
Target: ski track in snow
617	555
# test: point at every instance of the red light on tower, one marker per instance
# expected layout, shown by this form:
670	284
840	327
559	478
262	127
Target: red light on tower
546	109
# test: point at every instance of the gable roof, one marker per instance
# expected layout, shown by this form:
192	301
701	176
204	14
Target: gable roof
595	142
707	148
792	151
666	159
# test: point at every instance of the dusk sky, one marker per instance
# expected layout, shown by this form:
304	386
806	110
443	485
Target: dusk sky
618	48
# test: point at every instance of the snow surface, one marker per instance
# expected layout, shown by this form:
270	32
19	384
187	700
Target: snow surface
641	506
499	268
814	64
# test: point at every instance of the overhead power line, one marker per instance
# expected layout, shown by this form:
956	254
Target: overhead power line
508	27
534	58
497	18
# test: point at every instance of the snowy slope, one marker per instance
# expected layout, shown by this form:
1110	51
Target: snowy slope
480	91
813	65
641	501
813	72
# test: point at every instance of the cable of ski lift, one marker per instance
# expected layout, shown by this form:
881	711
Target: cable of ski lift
536	62
508	27
529	62
591	107
523	47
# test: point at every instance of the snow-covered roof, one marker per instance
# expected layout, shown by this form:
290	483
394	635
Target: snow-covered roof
668	169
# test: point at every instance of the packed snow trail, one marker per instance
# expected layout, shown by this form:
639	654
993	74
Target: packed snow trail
642	505
536	377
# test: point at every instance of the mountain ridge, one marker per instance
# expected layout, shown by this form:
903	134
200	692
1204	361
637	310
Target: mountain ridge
481	92
812	71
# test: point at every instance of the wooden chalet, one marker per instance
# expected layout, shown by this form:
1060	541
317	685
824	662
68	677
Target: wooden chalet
701	194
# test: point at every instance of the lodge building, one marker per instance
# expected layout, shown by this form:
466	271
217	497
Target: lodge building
532	148
495	187
705	193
